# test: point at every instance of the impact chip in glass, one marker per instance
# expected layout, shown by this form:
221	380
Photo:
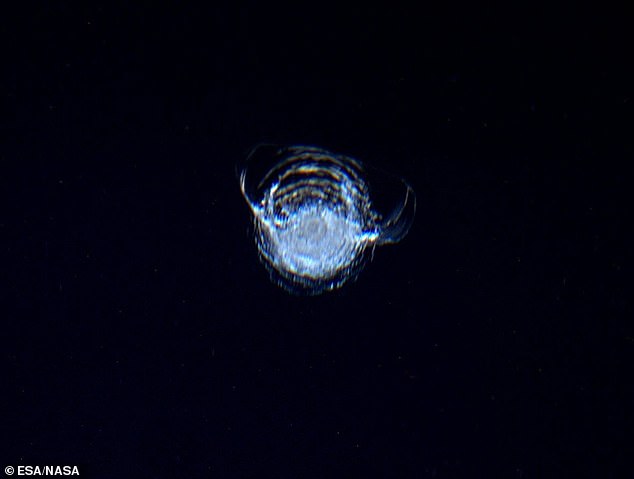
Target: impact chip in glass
317	214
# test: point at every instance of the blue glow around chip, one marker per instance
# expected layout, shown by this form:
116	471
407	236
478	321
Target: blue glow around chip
313	215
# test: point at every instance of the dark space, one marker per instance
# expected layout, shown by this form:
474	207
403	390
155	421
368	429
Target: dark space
141	335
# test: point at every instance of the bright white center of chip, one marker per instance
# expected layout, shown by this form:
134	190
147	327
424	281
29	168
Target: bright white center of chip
315	242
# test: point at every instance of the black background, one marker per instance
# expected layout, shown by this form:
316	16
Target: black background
142	337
